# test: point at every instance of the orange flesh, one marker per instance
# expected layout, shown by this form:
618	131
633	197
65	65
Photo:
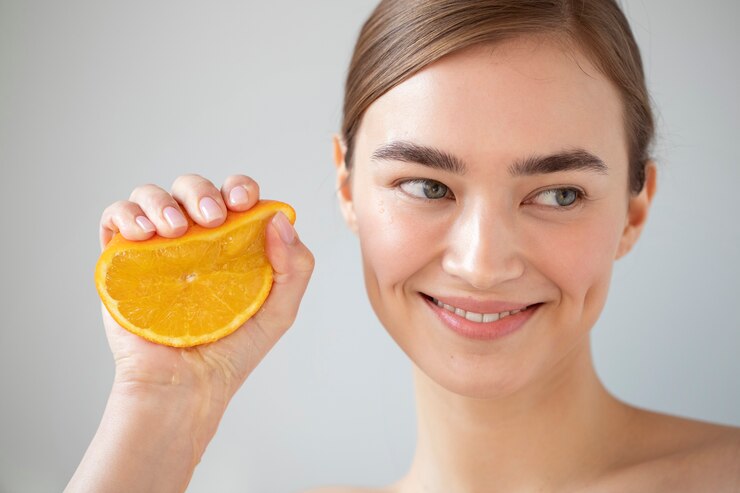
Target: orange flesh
193	289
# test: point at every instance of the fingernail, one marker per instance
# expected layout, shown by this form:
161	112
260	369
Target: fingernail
210	209
238	196
145	224
284	228
175	218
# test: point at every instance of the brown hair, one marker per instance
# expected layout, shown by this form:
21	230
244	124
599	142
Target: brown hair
402	37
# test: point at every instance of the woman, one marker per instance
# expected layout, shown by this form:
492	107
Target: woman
494	163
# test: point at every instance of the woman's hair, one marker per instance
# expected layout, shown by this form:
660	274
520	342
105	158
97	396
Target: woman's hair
401	37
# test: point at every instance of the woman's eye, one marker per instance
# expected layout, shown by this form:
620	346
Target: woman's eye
425	189
558	197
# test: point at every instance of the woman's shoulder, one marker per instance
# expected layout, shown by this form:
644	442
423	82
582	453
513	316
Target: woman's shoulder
661	452
671	453
685	437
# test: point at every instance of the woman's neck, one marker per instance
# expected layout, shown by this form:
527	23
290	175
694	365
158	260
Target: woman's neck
546	436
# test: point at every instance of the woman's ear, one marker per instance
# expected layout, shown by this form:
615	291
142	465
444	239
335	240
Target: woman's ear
344	190
637	211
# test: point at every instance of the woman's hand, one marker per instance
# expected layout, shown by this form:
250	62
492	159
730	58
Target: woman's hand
166	402
219	368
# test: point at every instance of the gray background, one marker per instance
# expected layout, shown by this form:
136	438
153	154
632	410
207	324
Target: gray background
97	97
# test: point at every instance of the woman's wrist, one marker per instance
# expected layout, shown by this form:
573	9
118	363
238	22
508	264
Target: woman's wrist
186	413
150	438
203	399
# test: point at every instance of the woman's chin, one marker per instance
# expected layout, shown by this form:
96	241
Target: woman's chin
500	376
471	379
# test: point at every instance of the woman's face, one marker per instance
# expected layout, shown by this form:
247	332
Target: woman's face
492	180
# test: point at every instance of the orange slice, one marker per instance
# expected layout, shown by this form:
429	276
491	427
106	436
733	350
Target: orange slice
194	289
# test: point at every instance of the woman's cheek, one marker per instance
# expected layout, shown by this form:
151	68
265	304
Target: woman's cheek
578	258
395	241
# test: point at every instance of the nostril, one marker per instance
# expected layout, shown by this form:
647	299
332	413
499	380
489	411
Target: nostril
484	271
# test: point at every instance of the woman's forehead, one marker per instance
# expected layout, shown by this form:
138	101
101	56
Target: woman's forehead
503	101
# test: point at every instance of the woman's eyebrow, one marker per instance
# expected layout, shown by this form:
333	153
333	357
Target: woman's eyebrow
410	152
571	160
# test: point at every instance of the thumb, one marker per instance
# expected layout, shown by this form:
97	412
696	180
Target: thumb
292	264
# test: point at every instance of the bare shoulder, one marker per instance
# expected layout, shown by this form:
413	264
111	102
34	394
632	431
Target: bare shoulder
670	453
691	438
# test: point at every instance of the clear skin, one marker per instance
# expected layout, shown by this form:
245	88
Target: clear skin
522	413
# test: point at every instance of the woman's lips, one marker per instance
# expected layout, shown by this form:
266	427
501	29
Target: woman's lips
479	306
494	320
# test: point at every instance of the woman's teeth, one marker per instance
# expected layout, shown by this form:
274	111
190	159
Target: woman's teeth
477	317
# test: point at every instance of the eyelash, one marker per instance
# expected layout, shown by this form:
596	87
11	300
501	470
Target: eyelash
449	195
580	194
580	198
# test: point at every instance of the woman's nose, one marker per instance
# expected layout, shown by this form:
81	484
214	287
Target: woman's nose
482	250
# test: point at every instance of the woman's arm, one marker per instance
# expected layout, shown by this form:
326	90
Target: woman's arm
166	402
149	440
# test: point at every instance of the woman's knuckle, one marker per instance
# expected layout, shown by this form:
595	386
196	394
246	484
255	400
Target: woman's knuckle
205	187
194	185
311	259
288	321
186	177
142	191
243	180
306	262
112	207
112	210
186	180
283	319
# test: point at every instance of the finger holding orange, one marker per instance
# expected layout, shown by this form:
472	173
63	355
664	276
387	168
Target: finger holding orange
161	209
240	192
193	289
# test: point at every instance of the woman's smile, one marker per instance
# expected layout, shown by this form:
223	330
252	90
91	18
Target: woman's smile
479	311
483	320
